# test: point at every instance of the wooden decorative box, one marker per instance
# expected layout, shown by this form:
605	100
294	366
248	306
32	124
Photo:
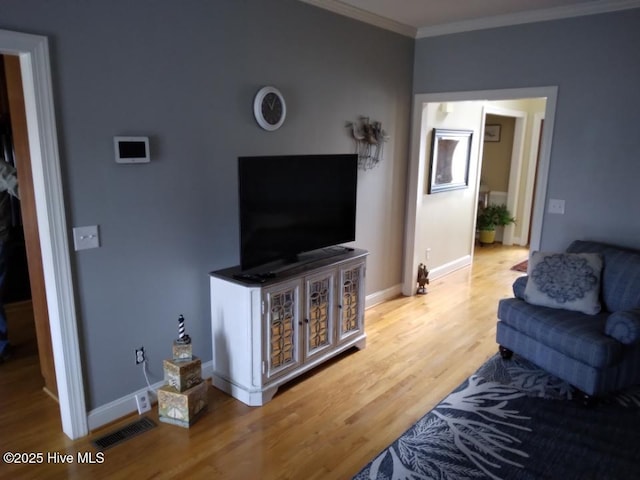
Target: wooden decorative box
182	409
182	351
182	375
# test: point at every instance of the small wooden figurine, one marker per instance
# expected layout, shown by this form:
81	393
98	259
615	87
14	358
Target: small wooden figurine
423	279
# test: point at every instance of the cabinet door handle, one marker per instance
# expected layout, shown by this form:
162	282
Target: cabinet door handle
300	322
306	320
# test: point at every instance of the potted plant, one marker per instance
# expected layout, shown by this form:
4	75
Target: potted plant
491	217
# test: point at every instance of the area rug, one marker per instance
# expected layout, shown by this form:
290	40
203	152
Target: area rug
511	420
521	267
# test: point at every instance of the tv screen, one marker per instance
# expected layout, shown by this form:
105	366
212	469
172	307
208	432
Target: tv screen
294	204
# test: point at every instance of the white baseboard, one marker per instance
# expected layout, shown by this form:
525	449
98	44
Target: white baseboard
520	241
126	405
497	198
447	268
382	296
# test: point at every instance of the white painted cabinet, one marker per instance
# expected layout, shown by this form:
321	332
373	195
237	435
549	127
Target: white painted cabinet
266	334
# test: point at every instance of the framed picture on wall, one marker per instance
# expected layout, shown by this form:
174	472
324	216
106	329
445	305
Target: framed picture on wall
492	133
450	155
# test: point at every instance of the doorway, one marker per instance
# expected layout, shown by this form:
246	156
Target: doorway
25	297
509	161
35	68
420	204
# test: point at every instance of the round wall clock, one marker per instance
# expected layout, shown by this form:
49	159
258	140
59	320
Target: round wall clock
269	108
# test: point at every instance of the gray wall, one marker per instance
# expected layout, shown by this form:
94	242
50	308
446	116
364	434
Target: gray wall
184	73
595	62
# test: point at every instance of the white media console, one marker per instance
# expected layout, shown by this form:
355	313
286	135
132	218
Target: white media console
265	334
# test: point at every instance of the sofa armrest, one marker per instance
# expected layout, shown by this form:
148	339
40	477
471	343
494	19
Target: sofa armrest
518	287
624	326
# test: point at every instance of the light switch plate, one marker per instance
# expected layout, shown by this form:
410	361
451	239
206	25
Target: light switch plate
86	237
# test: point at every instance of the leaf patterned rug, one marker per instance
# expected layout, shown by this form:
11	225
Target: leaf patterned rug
512	420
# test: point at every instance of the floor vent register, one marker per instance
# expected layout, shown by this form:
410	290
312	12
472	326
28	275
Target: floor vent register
124	433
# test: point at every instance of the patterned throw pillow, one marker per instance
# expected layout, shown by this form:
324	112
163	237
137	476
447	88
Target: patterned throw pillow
570	281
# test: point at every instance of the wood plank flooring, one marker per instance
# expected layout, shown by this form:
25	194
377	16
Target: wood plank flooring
325	425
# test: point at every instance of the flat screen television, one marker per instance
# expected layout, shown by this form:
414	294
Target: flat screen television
294	204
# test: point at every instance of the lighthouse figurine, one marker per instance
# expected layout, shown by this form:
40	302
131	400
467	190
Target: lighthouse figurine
183	398
182	350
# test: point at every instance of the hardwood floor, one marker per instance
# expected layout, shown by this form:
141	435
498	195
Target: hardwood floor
326	425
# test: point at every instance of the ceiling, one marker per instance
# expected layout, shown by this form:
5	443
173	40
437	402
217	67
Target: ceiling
423	18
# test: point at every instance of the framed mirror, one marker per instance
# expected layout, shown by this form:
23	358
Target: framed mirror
450	156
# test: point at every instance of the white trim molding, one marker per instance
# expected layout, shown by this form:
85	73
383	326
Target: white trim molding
518	18
530	16
450	267
515	169
381	296
416	169
127	405
33	51
536	131
364	16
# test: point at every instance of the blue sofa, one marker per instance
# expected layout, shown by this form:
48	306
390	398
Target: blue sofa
596	352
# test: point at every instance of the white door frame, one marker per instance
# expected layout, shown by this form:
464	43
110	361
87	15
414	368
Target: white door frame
517	157
416	170
35	67
531	177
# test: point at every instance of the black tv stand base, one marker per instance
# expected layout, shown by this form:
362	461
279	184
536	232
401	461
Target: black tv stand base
278	271
255	277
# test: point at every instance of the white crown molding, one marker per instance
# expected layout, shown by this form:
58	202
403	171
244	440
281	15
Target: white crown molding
592	8
364	16
542	15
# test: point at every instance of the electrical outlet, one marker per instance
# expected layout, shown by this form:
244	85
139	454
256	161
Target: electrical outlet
427	254
142	400
556	206
140	358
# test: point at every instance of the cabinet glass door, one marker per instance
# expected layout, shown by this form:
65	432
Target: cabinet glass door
282	307
351	300
319	314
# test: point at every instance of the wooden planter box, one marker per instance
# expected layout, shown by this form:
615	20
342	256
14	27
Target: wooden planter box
182	408
182	375
182	351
